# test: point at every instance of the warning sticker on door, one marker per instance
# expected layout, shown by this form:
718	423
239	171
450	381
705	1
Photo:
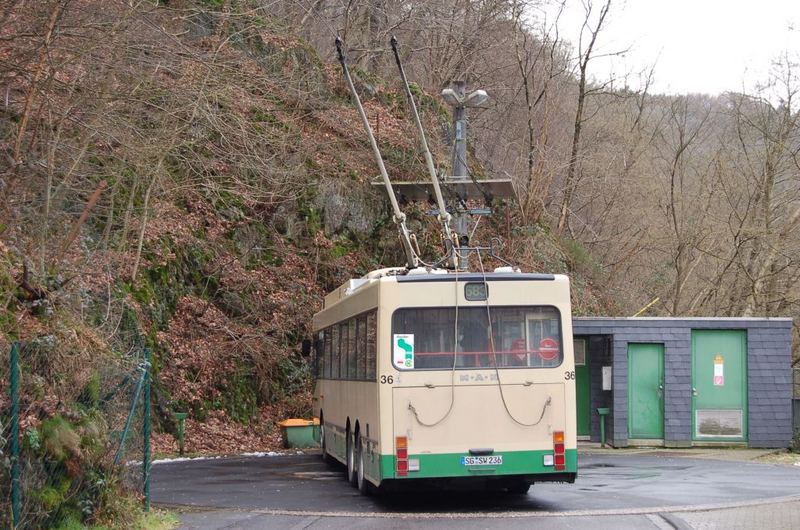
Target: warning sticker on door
719	370
403	350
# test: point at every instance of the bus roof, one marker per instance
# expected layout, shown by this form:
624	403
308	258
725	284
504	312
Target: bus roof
401	275
476	277
354	294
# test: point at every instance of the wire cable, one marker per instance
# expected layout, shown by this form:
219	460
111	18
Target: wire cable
452	370
493	357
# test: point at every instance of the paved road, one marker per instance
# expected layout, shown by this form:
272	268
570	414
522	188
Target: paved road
612	491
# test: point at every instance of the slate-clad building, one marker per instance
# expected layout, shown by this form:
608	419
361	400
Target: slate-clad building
679	382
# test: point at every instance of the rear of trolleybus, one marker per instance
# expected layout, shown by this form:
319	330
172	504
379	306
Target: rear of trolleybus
473	383
482	380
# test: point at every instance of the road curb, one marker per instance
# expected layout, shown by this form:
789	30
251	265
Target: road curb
496	515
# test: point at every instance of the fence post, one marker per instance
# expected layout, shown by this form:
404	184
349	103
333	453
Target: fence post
181	417
146	431
15	485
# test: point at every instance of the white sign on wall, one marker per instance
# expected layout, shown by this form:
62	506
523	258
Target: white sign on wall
606	378
719	370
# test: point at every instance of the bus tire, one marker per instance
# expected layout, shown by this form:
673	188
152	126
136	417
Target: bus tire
362	483
323	442
351	459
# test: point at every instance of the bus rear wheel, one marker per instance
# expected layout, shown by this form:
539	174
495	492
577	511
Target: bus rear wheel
351	459
361	480
323	442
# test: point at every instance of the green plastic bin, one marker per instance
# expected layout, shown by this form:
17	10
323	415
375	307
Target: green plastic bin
299	433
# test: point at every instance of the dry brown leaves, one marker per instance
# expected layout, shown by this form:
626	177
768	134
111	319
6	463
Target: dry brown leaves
203	348
180	225
219	435
283	297
345	123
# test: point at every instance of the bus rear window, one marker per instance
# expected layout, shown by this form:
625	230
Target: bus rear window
518	337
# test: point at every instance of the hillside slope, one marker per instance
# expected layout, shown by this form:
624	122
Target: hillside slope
189	181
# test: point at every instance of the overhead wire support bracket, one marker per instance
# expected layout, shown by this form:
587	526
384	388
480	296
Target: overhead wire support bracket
412	259
443	215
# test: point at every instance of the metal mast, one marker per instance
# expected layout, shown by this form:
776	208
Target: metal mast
412	260
444	216
460	129
457	98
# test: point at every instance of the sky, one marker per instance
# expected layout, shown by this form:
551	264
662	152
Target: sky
708	46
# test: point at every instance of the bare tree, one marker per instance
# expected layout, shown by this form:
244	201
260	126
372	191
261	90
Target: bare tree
585	55
768	137
685	204
539	62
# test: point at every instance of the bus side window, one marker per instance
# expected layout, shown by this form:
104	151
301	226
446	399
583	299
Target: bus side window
319	354
342	350
361	347
335	352
351	349
345	351
328	352
372	332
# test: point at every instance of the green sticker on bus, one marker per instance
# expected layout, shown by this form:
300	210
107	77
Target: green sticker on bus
403	350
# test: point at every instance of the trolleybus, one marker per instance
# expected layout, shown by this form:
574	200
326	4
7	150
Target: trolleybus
441	375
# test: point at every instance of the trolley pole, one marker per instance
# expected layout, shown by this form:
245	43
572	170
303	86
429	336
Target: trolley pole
15	482
146	430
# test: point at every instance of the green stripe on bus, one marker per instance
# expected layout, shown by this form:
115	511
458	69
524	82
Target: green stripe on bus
449	465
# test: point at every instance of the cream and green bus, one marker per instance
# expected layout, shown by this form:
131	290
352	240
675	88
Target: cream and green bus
448	377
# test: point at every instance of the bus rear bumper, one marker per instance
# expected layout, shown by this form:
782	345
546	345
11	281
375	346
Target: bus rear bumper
491	484
515	467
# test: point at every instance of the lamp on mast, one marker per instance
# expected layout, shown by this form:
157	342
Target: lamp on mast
457	98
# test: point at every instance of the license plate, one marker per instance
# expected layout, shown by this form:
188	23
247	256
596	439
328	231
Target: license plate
482	460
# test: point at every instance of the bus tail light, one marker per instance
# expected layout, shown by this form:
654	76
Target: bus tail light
559	460
401	455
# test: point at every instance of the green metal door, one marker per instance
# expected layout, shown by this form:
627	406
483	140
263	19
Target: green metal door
719	385
646	391
582	387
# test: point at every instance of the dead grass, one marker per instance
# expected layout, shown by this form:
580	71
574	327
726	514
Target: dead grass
785	458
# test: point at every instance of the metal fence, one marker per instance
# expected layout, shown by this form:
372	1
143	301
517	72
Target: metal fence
50	452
